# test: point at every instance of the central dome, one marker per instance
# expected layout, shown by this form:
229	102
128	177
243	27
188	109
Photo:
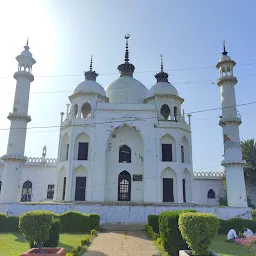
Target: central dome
126	89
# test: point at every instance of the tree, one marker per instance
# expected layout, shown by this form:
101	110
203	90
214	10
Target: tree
249	154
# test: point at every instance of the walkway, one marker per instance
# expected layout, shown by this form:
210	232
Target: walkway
122	243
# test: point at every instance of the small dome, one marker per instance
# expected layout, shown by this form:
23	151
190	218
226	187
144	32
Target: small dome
162	88
126	89
90	86
26	53
224	58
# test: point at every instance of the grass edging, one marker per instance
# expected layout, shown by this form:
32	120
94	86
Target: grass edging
84	244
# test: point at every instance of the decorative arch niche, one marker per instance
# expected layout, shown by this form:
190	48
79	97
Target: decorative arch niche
165	111
26	193
168	148
169	185
64	148
86	110
81	150
185	154
125	154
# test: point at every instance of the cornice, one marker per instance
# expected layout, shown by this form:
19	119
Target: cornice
233	120
224	79
24	74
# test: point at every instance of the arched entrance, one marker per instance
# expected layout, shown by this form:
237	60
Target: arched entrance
26	191
124	186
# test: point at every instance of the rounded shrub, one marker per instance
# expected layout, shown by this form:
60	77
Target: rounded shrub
198	229
171	238
86	240
3	220
153	222
74	222
94	221
36	225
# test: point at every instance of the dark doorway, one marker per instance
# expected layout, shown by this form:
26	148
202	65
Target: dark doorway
26	191
124	186
124	154
80	188
50	191
167	152
82	151
184	190
211	194
168	190
64	188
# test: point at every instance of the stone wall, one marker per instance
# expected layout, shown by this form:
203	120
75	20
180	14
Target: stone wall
122	213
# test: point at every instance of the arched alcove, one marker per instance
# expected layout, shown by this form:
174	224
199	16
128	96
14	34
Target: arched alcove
211	194
165	111
175	114
61	184
168	148
117	144
185	154
26	193
187	186
64	148
81	148
124	186
79	183
169	185
86	110
75	111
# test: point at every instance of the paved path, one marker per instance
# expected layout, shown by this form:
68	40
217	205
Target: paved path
122	243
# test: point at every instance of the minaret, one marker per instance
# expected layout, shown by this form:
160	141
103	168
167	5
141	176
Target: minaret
14	158
230	122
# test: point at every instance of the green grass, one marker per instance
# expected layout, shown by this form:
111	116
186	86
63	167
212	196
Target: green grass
228	249
13	244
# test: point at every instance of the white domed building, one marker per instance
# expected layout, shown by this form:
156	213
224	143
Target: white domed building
122	145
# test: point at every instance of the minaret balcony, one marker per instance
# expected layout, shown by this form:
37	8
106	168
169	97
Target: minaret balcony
23	74
231	120
19	116
231	79
227	163
14	158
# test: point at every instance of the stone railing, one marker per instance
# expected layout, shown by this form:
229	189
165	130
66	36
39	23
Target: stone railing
212	175
41	160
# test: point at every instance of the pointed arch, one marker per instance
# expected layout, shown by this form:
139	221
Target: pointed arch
124	186
26	194
169	185
168	147
211	194
81	150
185	154
75	111
61	185
86	110
125	154
165	111
187	186
79	183
175	114
64	147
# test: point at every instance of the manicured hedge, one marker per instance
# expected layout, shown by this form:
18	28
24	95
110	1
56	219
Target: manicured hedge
151	233
153	221
237	224
74	222
8	223
94	220
198	229
170	235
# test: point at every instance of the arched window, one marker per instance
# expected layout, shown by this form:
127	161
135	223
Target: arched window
75	111
125	154
211	194
26	193
165	111
124	186
0	186
175	114
86	110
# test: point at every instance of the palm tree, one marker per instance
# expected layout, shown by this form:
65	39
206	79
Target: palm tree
249	154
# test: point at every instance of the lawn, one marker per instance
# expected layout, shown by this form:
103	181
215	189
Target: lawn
228	249
13	244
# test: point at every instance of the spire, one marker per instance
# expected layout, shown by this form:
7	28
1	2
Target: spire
26	47
162	76
224	48
90	75
126	69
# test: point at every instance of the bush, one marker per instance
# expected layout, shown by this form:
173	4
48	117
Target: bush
54	234
94	232
253	213
94	221
237	224
222	224
171	238
151	233
3	220
74	222
8	223
86	240
198	229
153	222
36	225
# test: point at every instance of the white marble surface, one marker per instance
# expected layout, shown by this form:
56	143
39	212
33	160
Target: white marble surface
126	214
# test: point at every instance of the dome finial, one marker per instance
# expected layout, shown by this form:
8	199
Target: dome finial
91	64
162	65
126	59
224	48
26	47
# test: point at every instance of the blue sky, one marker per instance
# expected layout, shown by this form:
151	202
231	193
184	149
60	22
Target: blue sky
64	33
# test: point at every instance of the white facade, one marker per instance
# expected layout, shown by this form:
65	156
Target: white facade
125	143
